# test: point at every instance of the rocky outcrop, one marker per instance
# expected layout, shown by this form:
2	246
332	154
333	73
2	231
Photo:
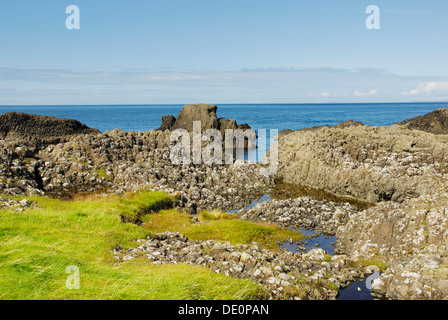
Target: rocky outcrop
35	129
435	122
364	162
199	112
167	123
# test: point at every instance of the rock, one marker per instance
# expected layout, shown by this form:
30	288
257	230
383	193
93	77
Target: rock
199	112
366	163
314	254
167	122
435	122
24	203
219	248
322	216
248	260
31	129
204	113
349	123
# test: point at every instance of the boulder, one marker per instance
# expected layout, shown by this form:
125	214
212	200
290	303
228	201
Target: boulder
167	122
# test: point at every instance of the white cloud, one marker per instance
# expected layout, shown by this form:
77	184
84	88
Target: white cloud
360	94
280	85
326	94
434	89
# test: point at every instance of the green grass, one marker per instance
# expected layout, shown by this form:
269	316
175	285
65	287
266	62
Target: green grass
219	226
102	174
373	262
36	247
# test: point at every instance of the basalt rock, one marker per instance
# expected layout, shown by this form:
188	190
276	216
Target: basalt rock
204	113
348	123
365	162
167	122
35	129
435	122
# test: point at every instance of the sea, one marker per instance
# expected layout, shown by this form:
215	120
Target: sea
258	116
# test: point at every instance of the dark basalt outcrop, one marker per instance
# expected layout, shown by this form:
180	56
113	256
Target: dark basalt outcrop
199	112
434	122
36	129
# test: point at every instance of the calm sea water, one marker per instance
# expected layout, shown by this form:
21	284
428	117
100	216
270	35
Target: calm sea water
258	116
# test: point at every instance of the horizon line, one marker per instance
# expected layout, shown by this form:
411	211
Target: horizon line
217	104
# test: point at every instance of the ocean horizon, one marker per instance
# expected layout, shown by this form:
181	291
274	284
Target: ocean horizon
144	117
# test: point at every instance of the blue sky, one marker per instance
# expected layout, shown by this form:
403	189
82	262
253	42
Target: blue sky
232	51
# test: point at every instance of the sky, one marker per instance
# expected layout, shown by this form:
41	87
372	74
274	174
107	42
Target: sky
227	51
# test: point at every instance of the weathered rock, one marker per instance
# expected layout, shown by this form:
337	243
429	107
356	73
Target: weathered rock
435	122
364	162
348	123
199	112
31	129
167	122
204	113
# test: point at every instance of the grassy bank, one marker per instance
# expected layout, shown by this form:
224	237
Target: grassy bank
37	245
219	226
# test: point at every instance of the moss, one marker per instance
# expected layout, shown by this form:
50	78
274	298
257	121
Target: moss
332	286
327	257
373	262
102	174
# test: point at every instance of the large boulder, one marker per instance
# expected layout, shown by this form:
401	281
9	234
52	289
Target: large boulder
435	122
31	128
167	123
199	112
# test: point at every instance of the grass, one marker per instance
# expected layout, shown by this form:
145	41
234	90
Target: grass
102	174
373	262
219	226
36	247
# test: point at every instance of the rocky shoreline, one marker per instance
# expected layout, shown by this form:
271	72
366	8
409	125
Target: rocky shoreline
402	169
